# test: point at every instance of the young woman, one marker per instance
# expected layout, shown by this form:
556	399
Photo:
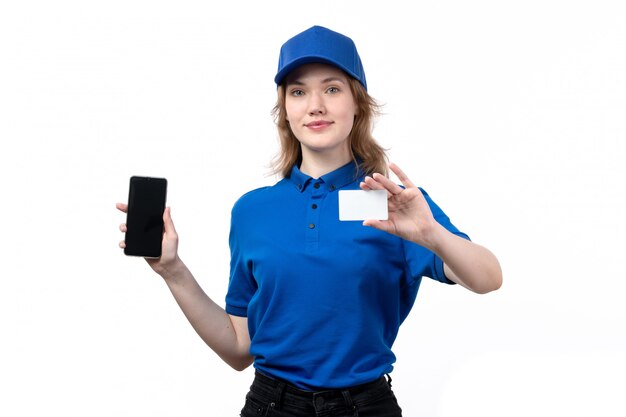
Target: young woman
315	303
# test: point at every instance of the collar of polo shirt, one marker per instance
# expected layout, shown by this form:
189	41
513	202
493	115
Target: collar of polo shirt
334	180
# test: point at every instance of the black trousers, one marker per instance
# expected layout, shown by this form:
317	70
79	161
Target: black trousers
272	397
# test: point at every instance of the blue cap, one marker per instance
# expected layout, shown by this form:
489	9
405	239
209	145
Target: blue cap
318	44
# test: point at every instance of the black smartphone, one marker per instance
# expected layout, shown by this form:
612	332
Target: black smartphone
144	219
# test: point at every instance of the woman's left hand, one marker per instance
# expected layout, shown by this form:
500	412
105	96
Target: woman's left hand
410	216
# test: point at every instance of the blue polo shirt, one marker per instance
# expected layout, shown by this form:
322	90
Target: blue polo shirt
324	298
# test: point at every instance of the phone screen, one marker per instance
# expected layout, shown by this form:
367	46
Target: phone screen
144	220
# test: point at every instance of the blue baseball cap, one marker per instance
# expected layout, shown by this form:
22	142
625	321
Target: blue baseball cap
319	44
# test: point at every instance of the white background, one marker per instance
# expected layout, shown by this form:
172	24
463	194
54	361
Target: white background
511	115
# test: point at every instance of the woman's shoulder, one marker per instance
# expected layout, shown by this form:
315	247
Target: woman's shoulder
257	196
250	197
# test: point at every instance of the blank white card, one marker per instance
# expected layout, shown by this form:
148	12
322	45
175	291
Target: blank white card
362	205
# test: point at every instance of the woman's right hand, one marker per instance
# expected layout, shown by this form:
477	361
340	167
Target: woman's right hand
167	263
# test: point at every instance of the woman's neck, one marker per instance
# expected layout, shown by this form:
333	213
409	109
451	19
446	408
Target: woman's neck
317	164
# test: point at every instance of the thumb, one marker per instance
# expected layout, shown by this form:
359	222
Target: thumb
378	224
168	223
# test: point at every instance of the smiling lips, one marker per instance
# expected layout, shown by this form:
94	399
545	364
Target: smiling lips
318	124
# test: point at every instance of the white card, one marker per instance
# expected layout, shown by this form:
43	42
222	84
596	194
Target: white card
362	205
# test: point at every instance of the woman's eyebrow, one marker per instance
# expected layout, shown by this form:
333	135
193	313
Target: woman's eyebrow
332	79
324	81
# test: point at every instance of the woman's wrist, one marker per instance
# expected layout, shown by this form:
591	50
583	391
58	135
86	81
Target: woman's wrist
434	240
172	270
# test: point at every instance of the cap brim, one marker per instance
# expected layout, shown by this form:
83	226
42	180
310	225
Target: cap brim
280	76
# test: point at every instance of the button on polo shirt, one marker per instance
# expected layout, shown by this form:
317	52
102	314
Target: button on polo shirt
324	298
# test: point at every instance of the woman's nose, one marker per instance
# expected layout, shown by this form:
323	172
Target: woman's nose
316	105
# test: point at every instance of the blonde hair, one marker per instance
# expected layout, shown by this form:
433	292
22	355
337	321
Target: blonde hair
367	154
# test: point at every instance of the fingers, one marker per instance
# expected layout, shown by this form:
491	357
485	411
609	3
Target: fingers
369	184
372	184
401	176
380	182
364	186
122	207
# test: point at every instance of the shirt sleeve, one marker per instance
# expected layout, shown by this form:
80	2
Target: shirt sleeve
423	262
242	285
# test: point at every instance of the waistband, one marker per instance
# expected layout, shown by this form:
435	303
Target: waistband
263	381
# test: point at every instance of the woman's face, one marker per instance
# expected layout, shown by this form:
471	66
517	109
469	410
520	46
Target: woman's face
320	109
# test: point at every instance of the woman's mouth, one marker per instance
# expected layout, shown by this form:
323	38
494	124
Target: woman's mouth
318	124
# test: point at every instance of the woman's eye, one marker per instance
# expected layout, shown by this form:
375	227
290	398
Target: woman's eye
332	90
297	93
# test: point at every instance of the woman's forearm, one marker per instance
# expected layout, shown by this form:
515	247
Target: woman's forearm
207	318
467	263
